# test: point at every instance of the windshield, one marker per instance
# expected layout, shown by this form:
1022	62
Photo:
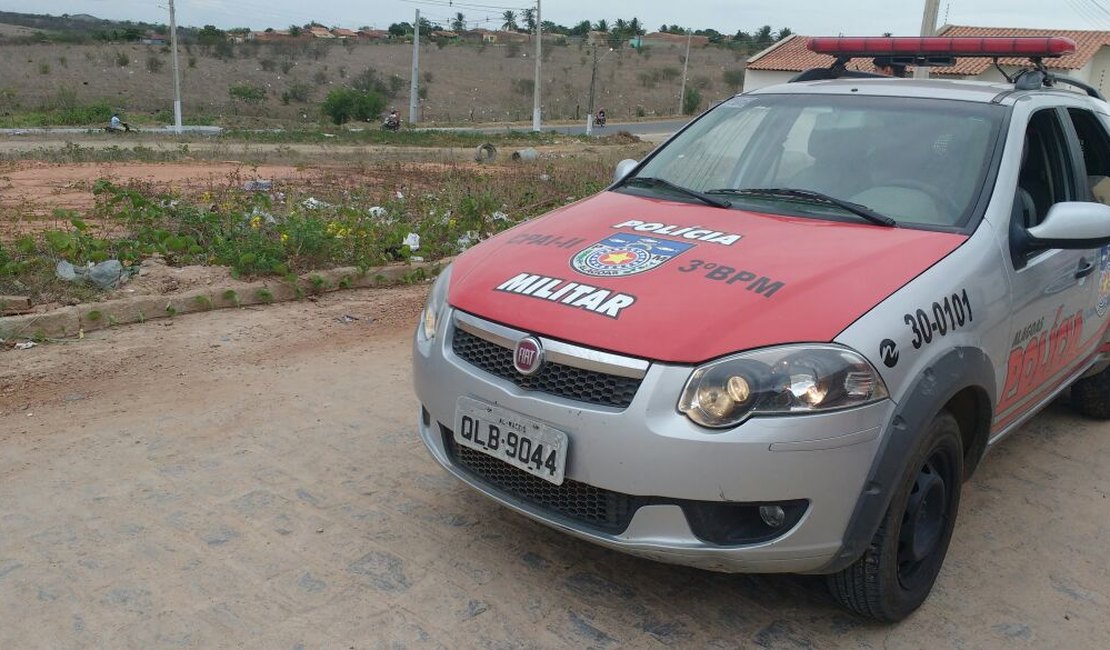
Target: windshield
918	161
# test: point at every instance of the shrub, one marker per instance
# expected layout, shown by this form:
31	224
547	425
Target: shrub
247	93
345	104
122	59
298	91
734	79
523	86
691	101
268	65
44	68
320	78
192	62
287	65
154	63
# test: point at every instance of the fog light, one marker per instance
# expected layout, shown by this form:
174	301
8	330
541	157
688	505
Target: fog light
773	516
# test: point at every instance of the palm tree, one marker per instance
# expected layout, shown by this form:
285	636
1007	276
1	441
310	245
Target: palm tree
601	26
636	27
783	33
459	23
510	21
529	18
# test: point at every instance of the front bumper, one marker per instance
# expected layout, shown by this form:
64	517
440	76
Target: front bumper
655	459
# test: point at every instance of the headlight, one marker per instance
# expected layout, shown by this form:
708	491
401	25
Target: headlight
433	308
776	381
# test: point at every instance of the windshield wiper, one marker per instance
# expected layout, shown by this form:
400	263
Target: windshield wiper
651	181
854	208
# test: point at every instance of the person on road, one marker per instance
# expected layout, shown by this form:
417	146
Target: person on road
115	124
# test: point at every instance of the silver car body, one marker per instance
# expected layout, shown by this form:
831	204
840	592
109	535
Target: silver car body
650	448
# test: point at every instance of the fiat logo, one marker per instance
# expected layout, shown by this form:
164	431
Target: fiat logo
528	356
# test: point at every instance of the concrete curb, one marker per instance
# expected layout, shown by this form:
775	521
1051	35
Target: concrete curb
72	321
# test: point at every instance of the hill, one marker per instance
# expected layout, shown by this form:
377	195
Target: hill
253	83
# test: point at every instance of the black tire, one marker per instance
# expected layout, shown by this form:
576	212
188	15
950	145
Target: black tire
897	571
1091	395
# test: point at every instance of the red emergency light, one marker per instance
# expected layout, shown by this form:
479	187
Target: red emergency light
938	46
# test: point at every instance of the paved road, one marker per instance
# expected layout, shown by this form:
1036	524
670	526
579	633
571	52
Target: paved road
657	129
251	478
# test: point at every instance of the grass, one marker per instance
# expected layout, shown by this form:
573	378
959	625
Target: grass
336	219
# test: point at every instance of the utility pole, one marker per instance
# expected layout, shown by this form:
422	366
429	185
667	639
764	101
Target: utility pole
539	56
176	73
413	90
928	28
685	64
590	105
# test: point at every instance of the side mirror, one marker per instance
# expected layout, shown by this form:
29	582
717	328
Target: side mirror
1072	225
624	168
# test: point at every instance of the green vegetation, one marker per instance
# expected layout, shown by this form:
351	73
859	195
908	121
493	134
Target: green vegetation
343	105
691	102
247	93
256	234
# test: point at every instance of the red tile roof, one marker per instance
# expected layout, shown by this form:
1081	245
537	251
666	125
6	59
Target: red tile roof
791	55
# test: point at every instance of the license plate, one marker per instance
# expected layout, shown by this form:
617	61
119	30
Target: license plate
518	440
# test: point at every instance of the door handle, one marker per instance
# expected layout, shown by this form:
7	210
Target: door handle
1085	268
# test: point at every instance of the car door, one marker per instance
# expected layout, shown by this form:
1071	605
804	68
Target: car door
1051	290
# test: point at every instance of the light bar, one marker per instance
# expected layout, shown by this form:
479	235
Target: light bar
926	46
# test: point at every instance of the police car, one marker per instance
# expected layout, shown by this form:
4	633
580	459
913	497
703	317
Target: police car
783	340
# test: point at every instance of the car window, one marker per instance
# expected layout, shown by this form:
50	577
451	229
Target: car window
1046	174
1095	145
920	161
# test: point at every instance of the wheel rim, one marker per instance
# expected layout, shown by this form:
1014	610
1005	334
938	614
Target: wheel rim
926	519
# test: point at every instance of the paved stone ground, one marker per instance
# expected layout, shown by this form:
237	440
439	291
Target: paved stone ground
252	479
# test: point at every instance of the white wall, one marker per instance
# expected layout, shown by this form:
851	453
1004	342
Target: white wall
759	78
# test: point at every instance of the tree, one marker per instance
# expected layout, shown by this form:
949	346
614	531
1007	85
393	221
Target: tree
459	23
510	21
529	18
294	30
581	29
784	32
398	30
601	26
636	27
764	37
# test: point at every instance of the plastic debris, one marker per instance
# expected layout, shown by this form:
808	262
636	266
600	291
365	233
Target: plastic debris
467	240
258	185
499	216
26	345
376	211
347	318
313	203
526	154
485	153
412	240
399	196
105	275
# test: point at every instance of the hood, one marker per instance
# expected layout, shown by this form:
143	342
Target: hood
684	282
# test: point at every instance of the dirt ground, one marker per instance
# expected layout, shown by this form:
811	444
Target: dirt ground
252	478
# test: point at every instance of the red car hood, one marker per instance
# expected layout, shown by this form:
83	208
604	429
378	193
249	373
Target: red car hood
683	282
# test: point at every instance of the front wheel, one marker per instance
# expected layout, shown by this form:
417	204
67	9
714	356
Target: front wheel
1091	395
898	569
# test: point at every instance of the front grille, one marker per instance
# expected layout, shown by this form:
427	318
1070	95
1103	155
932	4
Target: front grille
553	378
601	509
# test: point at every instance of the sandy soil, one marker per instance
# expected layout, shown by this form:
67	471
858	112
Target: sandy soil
252	478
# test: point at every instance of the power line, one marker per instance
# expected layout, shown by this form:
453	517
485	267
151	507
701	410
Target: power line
463	5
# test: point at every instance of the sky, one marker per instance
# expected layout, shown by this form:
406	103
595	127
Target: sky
809	17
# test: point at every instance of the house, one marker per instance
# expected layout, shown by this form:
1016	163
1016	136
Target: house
373	34
442	33
480	35
151	38
659	39
1090	63
320	32
339	32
